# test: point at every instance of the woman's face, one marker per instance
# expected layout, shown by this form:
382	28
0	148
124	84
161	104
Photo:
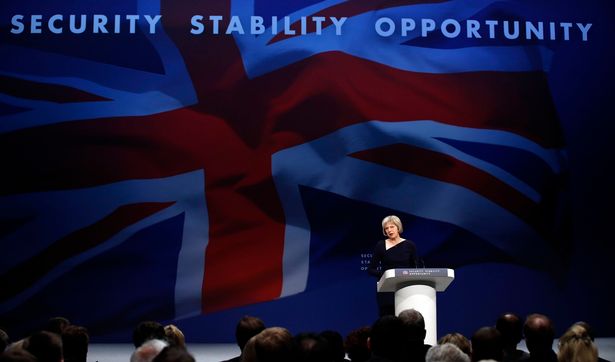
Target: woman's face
391	230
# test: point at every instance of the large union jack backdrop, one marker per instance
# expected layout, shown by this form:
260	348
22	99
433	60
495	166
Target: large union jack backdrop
195	178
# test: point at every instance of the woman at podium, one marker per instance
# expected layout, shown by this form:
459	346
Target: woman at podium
391	253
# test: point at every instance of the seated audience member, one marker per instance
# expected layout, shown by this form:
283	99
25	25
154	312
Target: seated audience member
335	344
446	352
511	329
356	344
4	340
458	340
45	346
387	340
590	332
17	355
174	354
175	336
415	331
75	341
539	334
310	347
274	344
246	328
147	351
575	345
56	325
487	344
147	330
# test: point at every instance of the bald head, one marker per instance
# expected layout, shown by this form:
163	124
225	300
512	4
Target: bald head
539	333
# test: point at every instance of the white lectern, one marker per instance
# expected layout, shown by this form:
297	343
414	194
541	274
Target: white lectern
416	288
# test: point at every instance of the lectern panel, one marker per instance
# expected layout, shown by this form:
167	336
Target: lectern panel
393	279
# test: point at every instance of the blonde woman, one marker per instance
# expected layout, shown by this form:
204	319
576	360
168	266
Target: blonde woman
576	345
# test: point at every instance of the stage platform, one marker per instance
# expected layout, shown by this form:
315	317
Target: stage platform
220	352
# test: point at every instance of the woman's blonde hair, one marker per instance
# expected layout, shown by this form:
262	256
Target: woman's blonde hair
392	219
577	346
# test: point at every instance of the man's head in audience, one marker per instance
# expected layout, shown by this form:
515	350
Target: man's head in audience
415	325
75	341
487	344
388	338
511	328
246	328
539	334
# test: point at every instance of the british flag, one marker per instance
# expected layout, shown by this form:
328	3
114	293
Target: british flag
166	175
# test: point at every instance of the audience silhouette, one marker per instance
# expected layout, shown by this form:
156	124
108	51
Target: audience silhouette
274	344
45	346
416	349
356	344
312	347
576	345
56	325
147	330
389	339
487	344
246	328
590	333
539	334
511	329
446	352
75	342
458	340
335	345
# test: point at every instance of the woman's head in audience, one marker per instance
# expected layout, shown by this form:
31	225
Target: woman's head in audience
458	340
576	345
